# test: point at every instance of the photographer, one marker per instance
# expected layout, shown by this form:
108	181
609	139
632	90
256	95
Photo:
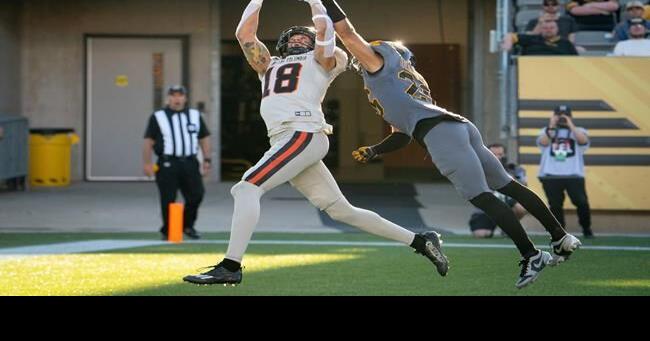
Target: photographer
481	225
562	166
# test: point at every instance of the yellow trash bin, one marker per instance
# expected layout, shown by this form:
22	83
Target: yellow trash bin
49	156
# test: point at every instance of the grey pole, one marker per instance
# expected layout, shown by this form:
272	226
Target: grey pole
503	28
215	92
477	21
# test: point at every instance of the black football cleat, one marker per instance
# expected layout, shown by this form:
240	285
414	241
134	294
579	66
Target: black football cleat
192	234
217	275
433	251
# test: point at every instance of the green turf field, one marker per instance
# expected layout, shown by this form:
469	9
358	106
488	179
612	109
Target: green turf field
290	269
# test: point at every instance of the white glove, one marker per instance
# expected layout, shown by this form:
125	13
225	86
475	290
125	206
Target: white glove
312	2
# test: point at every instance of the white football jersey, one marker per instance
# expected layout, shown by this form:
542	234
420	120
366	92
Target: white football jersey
293	89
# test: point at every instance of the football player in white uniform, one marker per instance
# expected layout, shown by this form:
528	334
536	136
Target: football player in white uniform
293	87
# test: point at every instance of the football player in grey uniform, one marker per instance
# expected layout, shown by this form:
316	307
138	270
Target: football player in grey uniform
402	98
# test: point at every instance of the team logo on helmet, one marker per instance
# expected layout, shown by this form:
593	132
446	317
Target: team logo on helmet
283	44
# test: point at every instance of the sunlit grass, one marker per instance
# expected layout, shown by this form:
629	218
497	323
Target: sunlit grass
317	269
620	283
111	274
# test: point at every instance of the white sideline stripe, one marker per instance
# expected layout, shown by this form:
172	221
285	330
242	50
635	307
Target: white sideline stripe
444	245
76	247
107	244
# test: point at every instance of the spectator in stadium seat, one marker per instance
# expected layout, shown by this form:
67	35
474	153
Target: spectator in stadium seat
566	24
638	45
562	166
594	15
547	43
646	11
634	10
481	225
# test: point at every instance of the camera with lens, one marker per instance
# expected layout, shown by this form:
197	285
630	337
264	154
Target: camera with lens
562	110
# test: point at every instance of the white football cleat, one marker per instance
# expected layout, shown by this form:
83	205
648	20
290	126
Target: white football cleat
531	267
563	248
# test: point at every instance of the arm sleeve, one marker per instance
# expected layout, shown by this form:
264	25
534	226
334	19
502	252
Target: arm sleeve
391	143
320	17
152	130
203	130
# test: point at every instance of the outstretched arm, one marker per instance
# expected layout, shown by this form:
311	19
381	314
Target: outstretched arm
325	43
256	52
393	142
355	43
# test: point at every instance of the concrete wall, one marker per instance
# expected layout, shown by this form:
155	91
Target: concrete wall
53	55
51	32
10	13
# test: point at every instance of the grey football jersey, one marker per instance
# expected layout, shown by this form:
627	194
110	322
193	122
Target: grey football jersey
398	92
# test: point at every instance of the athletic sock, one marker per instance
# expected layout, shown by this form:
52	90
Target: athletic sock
230	265
418	243
245	216
507	221
536	206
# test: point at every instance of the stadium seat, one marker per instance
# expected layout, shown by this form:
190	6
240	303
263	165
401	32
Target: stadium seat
596	53
522	3
523	17
594	39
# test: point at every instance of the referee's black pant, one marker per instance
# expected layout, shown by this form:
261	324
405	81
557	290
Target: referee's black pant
575	188
179	173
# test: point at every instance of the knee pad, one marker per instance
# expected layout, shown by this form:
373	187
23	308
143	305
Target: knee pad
341	210
245	189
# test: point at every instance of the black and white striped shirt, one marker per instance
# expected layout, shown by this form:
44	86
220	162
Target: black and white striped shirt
176	133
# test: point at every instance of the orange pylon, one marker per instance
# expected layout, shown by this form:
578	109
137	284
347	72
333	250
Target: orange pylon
175	234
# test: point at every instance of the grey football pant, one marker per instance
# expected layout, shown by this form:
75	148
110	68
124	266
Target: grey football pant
458	151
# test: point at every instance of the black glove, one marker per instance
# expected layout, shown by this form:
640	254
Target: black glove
364	154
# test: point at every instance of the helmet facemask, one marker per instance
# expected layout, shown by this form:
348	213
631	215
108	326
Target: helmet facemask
283	44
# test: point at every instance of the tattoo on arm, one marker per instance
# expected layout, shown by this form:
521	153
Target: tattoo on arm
257	54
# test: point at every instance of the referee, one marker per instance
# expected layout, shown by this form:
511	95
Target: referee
175	134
